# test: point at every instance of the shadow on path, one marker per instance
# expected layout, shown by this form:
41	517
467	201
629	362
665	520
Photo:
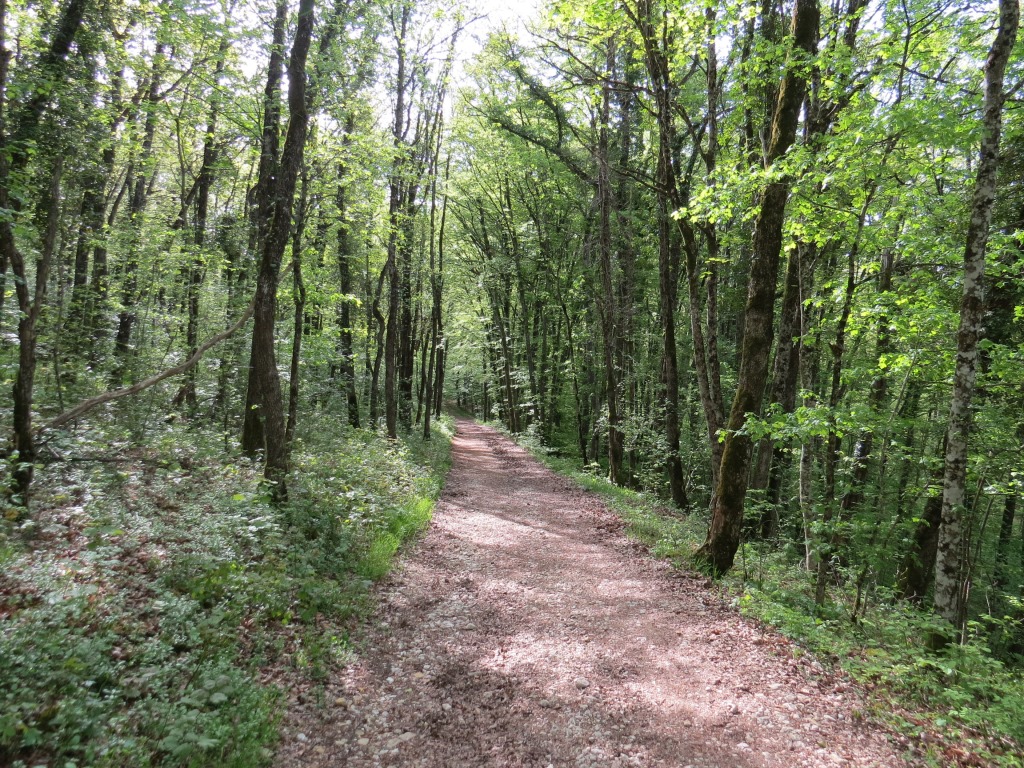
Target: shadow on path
524	630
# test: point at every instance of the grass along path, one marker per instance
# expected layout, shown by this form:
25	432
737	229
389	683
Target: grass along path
526	629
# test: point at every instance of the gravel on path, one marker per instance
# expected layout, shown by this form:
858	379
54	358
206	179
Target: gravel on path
526	629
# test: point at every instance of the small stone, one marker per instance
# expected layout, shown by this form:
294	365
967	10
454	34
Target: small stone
363	742
340	702
320	750
302	737
407	736
734	709
582	683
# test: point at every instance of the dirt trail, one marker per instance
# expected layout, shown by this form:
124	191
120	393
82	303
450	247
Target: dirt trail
526	630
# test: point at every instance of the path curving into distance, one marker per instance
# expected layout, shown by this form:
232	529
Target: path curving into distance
525	629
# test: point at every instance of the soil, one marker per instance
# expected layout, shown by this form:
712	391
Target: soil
526	629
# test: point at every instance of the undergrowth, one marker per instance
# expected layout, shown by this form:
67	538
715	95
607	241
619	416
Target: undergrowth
950	707
140	605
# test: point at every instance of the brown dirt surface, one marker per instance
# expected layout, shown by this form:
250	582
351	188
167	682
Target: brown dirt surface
525	629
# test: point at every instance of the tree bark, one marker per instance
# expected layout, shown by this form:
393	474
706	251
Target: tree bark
951	558
609	309
436	246
668	243
785	373
719	550
299	305
396	206
31	306
1003	545
18	130
348	368
919	563
263	362
253	438
197	267
437	287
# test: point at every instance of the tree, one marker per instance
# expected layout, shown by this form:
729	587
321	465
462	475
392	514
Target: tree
20	127
951	577
723	538
263	375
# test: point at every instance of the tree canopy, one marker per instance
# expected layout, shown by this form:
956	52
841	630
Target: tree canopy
762	261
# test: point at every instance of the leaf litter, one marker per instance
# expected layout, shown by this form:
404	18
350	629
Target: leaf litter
525	629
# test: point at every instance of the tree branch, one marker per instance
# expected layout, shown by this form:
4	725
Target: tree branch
116	394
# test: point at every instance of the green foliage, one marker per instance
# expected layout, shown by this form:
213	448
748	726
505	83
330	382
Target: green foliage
961	692
961	695
134	625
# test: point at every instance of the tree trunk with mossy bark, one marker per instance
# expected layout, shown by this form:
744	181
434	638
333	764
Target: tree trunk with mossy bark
719	550
263	361
951	582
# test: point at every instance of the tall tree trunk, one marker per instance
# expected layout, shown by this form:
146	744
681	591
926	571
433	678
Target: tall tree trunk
18	130
263	361
99	277
436	298
437	287
31	306
708	389
668	272
918	566
723	539
396	207
951	559
609	310
197	267
298	318
406	331
829	538
785	373
379	326
140	185
253	437
668	245
1002	564
501	329
348	368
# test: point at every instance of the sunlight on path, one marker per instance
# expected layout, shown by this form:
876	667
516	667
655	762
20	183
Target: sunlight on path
525	630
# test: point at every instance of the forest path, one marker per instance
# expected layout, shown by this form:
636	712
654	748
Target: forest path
525	629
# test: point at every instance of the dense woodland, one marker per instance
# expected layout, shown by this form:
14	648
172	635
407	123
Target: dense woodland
759	260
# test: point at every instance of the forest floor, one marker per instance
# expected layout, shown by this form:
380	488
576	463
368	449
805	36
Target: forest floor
526	629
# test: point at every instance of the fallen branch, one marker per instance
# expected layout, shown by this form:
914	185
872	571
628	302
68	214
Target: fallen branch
115	394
